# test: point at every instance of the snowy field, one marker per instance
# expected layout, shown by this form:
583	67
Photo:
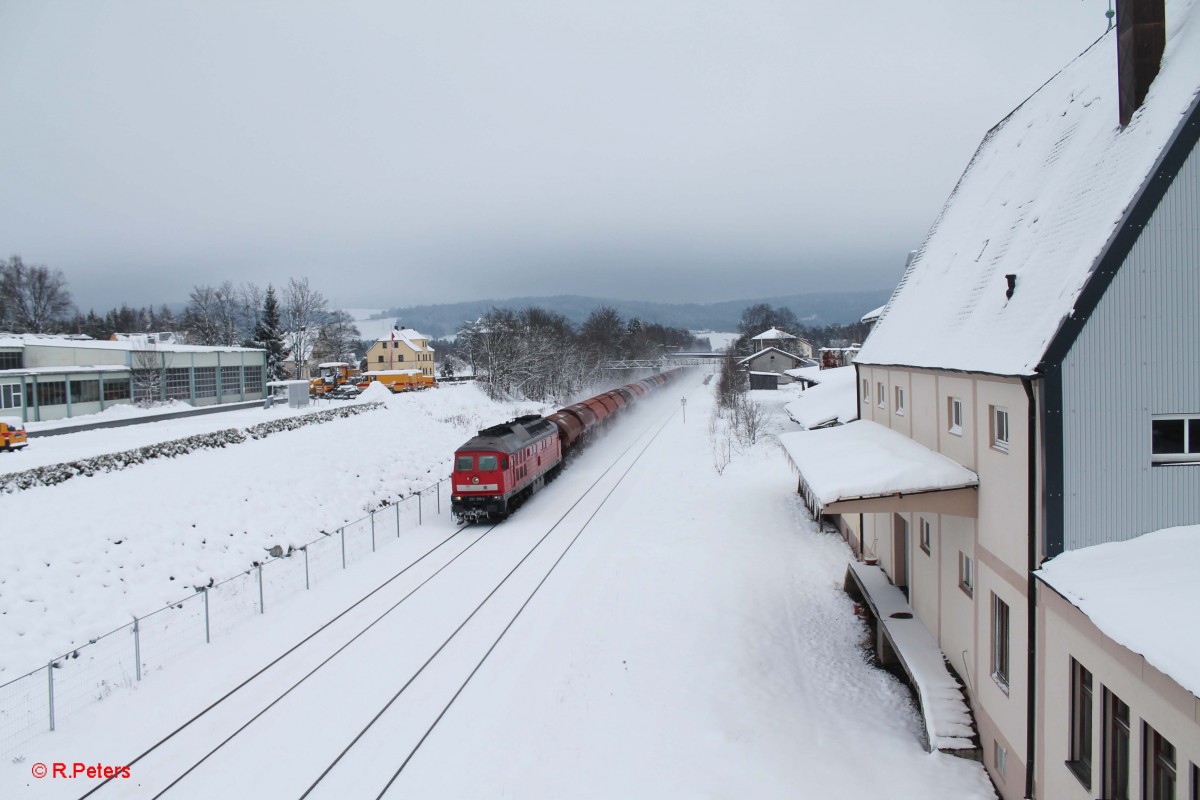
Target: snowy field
693	640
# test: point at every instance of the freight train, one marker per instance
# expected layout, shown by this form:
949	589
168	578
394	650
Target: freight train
502	467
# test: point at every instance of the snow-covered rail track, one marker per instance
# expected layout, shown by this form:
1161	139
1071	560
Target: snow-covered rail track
336	707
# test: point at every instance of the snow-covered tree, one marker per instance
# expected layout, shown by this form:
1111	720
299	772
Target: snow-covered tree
267	336
304	309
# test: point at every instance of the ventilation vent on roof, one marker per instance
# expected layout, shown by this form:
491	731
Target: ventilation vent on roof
1141	39
1012	285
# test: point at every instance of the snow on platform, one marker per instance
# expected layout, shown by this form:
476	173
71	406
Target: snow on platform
867	460
1123	588
944	710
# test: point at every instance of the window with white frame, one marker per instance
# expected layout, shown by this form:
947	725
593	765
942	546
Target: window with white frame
954	412
966	573
206	381
10	396
899	400
999	758
1175	438
179	383
926	536
1000	642
1000	428
881	395
1079	740
866	391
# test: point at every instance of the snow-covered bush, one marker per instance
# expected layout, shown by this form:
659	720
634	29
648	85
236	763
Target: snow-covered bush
111	462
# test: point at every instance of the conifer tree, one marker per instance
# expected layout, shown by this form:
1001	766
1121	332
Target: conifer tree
267	336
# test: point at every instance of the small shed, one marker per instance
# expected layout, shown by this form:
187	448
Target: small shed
764	380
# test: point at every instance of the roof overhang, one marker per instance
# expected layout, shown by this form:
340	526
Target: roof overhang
863	467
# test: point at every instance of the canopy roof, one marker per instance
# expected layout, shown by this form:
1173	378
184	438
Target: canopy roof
864	467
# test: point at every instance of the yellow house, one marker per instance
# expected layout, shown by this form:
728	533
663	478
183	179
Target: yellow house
402	349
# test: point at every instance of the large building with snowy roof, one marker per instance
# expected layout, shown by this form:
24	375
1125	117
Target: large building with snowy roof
45	378
403	348
1044	339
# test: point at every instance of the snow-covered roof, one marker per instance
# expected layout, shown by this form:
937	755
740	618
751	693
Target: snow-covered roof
65	370
1043	196
790	356
812	374
1127	589
864	459
873	314
37	340
414	339
773	333
831	401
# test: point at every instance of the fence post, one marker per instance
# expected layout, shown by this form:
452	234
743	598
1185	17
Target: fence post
342	530
397	519
137	648
262	609
420	518
207	628
372	530
50	678
439	497
305	549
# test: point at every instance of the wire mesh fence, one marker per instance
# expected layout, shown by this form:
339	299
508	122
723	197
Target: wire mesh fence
42	699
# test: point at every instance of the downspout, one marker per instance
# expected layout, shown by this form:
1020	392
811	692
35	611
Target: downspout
1031	604
858	415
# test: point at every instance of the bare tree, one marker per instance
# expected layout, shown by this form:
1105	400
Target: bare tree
147	373
33	298
338	339
304	310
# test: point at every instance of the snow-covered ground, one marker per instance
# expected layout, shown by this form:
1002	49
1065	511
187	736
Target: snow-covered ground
693	641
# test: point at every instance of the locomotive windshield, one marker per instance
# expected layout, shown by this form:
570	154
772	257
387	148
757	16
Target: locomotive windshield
487	462
464	463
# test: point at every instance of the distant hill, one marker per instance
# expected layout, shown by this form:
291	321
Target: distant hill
815	308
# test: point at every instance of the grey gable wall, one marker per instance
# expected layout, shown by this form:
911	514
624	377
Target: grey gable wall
1137	355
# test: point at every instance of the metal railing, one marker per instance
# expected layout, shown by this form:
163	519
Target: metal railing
42	699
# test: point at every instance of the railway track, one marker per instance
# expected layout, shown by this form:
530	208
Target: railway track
423	639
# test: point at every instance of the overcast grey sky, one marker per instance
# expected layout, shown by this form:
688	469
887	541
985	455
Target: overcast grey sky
400	152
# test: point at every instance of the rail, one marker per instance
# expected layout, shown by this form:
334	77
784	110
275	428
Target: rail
43	698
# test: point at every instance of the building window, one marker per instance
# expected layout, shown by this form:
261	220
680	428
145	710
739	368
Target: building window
881	396
11	360
1000	641
1080	739
955	415
52	393
85	391
380	358
1000	428
254	379
1158	772
999	759
966	573
206	382
1115	773
1175	437
866	391
116	389
231	380
10	396
899	400
926	536
179	383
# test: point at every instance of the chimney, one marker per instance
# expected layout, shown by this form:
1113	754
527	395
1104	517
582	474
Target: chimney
1141	37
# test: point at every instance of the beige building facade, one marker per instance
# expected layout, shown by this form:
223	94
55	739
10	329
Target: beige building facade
403	349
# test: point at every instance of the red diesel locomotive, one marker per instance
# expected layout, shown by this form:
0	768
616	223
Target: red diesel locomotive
504	465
